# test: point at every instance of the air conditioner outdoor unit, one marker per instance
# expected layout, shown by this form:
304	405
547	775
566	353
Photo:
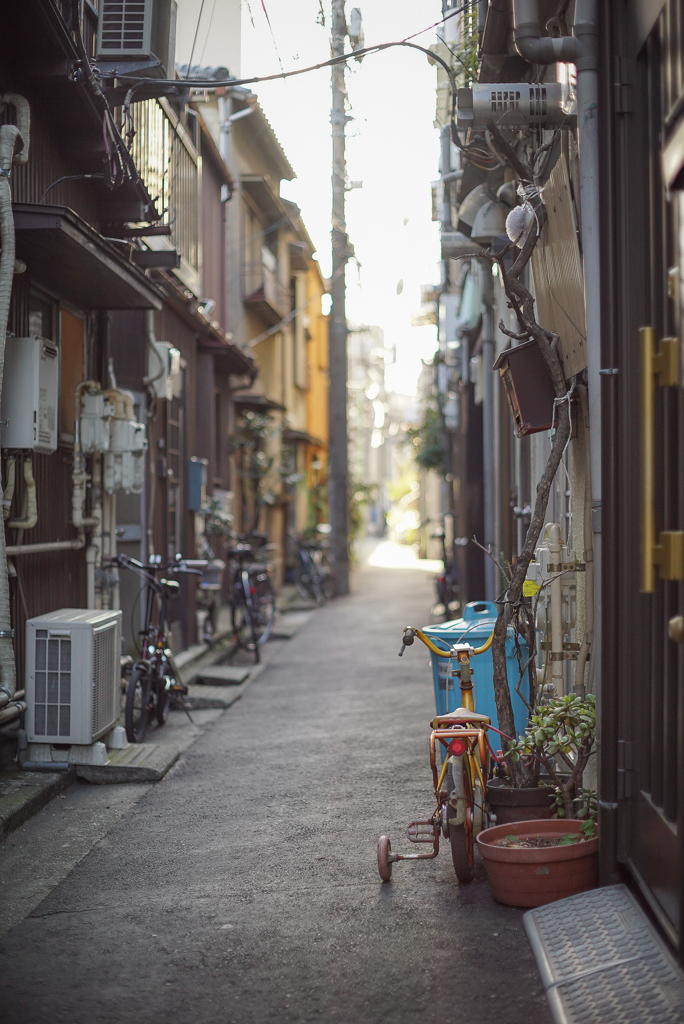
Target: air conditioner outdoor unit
137	32
73	688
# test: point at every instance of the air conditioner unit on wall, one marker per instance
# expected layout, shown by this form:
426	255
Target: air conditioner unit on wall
73	688
142	32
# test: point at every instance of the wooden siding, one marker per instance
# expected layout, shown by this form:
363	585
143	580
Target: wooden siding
45	166
213	241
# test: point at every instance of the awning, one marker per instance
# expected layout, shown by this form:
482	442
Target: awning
228	357
257	403
259	189
301	437
69	258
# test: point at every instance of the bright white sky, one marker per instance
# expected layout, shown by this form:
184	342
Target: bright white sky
392	147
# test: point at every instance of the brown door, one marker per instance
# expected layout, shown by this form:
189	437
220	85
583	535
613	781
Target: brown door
642	743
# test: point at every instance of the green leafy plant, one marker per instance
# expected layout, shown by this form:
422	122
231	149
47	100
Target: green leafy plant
561	737
254	466
428	441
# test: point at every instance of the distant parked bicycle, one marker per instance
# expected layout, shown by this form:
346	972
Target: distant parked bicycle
446	582
253	597
315	571
153	680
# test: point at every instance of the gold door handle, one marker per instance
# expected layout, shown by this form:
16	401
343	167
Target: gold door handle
659	365
675	629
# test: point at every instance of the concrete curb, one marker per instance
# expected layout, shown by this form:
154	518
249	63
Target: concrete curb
23	794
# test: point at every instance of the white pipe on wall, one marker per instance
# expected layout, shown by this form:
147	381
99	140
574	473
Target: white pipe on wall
8	493
552	532
79	476
31	517
44	546
13	149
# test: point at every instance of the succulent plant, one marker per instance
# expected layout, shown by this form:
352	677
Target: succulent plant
561	736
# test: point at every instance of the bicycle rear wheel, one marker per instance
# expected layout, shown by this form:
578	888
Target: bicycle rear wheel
304	583
165	685
263	608
138	705
329	575
241	622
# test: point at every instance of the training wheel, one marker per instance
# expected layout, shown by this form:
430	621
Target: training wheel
384	863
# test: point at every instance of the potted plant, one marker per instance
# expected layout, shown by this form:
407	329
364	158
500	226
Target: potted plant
537	861
555	749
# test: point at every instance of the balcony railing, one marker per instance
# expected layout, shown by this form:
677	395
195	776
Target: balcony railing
264	293
168	165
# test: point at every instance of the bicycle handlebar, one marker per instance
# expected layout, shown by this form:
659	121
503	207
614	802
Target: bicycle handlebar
193	566
411	632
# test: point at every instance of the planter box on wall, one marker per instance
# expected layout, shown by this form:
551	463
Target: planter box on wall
529	388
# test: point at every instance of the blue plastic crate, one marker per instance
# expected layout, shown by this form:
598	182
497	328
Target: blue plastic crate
474	628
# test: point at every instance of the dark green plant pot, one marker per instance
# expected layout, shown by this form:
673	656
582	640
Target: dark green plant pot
510	804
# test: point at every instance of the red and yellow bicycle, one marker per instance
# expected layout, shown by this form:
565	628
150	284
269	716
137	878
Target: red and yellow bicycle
460	784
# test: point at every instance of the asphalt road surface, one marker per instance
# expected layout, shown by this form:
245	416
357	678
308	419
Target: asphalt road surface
243	887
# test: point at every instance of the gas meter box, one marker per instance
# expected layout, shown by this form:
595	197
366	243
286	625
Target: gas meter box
30	394
96	413
124	463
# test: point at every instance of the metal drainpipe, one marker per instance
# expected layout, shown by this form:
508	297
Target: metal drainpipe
580	49
488	424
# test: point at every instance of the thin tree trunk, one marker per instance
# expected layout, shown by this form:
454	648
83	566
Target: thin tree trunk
521	301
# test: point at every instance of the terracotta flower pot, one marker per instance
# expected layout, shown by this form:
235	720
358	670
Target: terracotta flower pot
529	878
510	804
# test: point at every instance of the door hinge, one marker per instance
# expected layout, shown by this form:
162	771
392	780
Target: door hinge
625	769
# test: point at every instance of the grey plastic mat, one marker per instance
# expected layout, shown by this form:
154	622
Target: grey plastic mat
602	962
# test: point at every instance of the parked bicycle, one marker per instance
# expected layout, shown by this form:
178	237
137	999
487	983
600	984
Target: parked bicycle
461	810
153	680
253	597
446	582
315	571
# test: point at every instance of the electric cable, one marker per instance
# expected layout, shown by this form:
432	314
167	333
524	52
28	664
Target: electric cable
68	177
194	41
212	84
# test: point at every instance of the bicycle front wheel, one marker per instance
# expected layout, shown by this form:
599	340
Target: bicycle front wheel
138	705
461	836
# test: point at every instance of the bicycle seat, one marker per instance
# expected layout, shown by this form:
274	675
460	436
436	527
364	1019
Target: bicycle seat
171	588
460	715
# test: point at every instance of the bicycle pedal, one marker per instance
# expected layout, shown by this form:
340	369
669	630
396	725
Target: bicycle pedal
420	832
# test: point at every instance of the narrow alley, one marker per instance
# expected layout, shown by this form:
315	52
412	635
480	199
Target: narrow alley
244	886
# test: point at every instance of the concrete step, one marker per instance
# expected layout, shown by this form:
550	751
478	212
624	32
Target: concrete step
600	959
289	623
138	762
221	696
221	675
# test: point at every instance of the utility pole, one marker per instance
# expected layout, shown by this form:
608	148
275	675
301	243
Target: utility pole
338	486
